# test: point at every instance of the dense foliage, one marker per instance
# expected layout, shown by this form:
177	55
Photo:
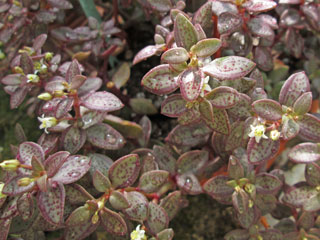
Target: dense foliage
239	81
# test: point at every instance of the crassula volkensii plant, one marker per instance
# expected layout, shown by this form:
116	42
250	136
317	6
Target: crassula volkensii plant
233	80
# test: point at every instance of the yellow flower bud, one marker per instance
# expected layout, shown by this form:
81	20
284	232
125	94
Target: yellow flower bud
95	218
275	135
1	194
33	78
48	56
10	165
2	55
45	96
18	70
23	182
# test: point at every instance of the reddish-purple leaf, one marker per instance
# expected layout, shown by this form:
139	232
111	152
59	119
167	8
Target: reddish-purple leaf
157	219
160	80
160	5
305	153
185	34
312	174
263	58
64	106
92	84
25	206
112	222
10	210
293	87
73	139
147	52
151	181
29	150
60	4
262	151
223	97
290	129
77	81
54	162
76	194
73	168
267	183
124	171
267	109
309	127
51	204
228	22
189	117
259	28
73	70
189	183
103	136
235	137
240	201
217	186
12	188
231	67
235	168
249	217
39	41
173	106
164	159
5	227
191	83
296	197
203	16
12	79
294	42
80	232
102	101
175	56
303	104
17	97
172	203
219	7
26	63
146	125
257	6
138	210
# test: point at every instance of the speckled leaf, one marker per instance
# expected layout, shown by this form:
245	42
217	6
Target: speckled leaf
39	41
173	106
51	204
103	136
189	183
235	137
166	234
160	80
235	169
100	181
249	217
267	183
219	7
231	67
242	110
305	153
192	161
206	47
102	101
188	135
55	161
25	206
90	85
171	204
160	5
5	227
290	129
127	128
189	117
223	97
151	181
293	87
206	111
263	58
73	139
73	70
303	104
262	151
297	196
76	194
12	188
306	220
10	210
118	201
203	16
73	168
191	83
138	209
240	201
175	55
267	109
294	42
185	34
312	204
147	159
12	79
259	28
271	234
217	186
157	219
143	106
146	125
221	121
228	22
237	234
257	6
164	159
147	52
112	222
124	171
309	127
122	75
80	232
79	216
26	63
29	150
312	174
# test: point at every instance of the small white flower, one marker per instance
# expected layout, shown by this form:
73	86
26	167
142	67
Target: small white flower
138	234
258	132
47	122
33	78
205	87
274	134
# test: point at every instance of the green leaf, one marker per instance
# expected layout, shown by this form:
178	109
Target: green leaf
240	201
290	129
151	181
235	138
305	153
127	128
223	97
217	186
309	127
122	75
166	234
138	209
175	55
268	109
242	110
249	217
157	219
160	5
192	161
312	174
79	216
221	121
206	47
172	204
303	104
235	169
206	111
266	183
143	106
100	182
164	159
124	171
89	8
185	34
118	201
237	234
312	204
